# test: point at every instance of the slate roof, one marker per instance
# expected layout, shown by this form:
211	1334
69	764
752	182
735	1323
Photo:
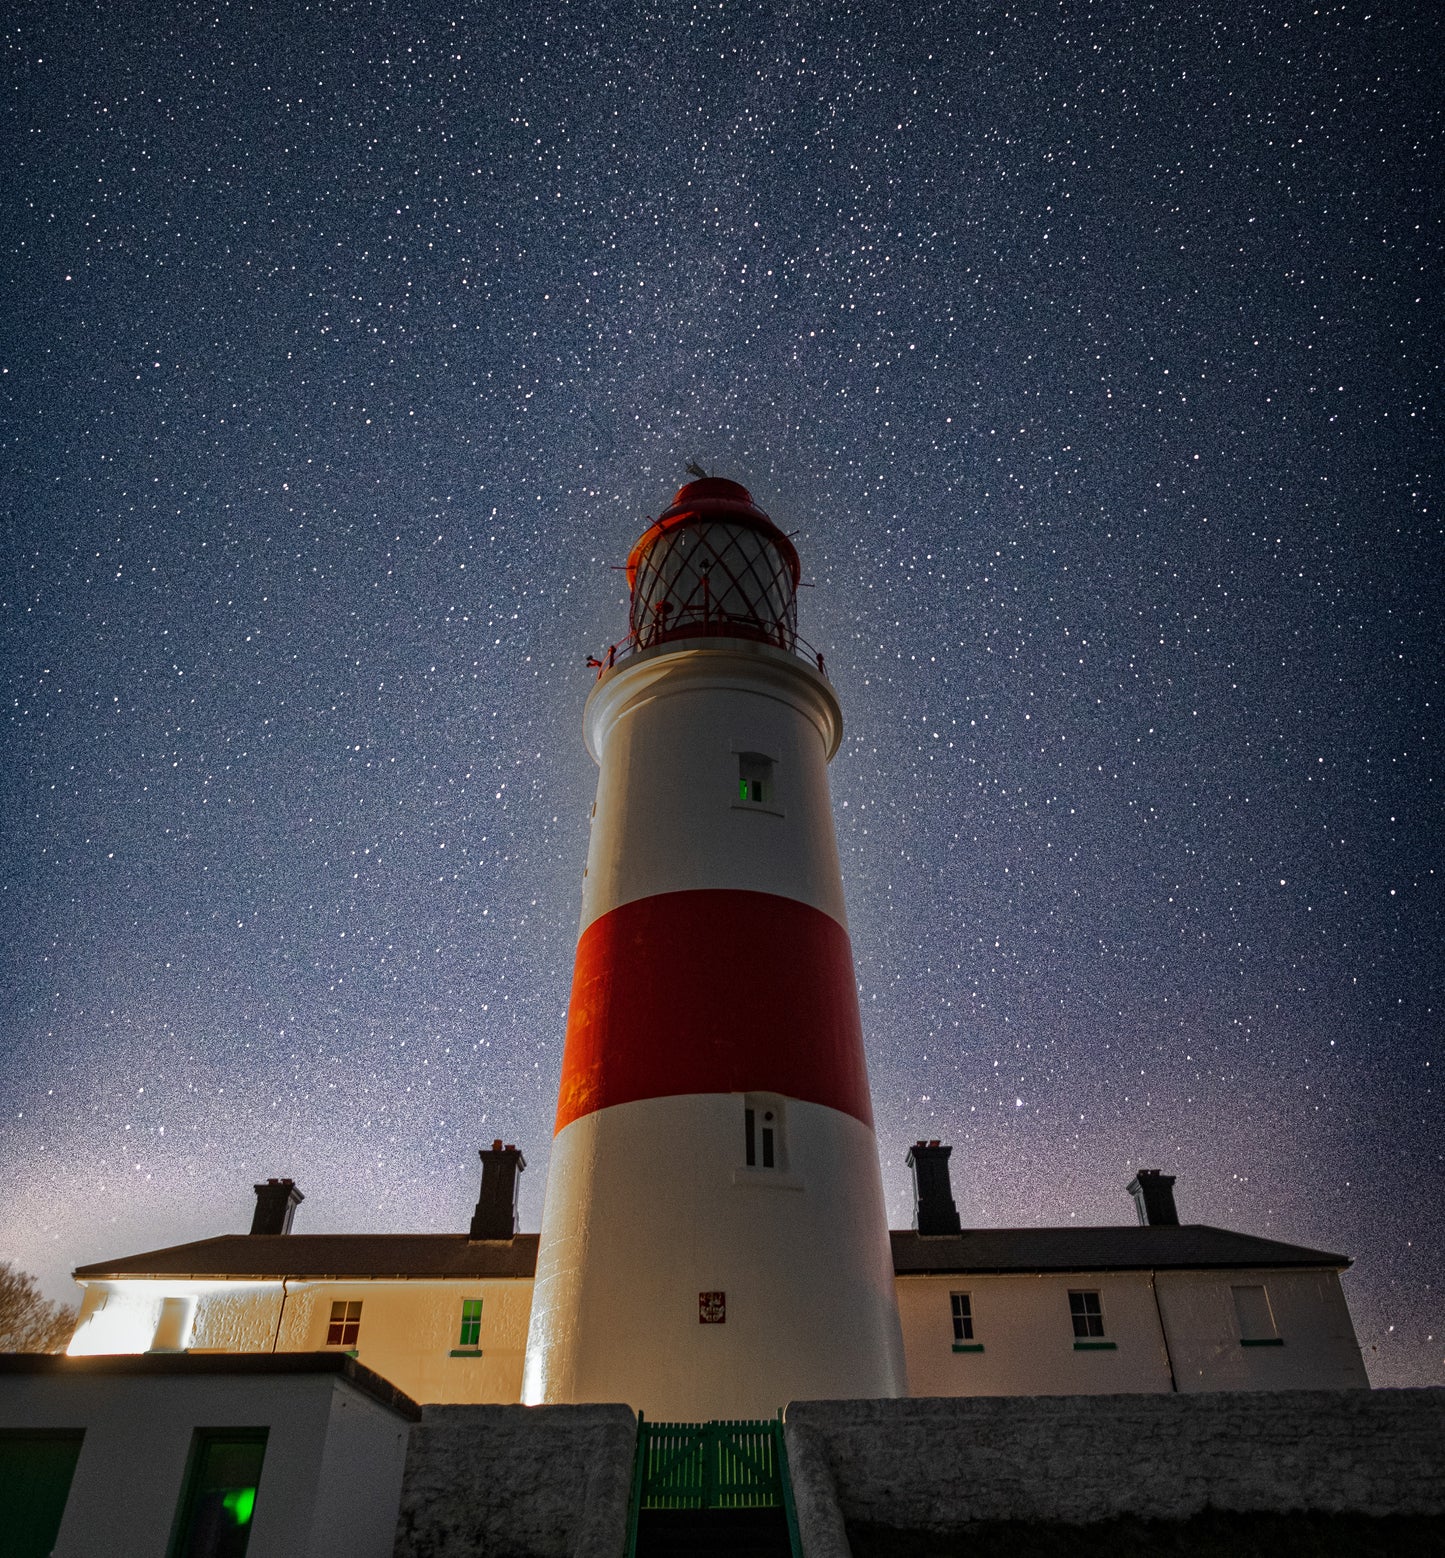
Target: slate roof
339	1256
330	1255
1194	1246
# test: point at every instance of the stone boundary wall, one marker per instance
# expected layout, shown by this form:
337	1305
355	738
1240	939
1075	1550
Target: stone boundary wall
938	1464
524	1482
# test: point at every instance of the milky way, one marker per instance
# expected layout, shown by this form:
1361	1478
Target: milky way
1087	350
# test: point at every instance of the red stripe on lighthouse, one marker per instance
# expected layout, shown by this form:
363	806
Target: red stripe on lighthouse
713	991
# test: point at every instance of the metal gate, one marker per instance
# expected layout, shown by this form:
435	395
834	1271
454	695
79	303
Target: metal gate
717	1465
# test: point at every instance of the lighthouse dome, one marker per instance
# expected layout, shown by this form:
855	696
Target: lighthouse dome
713	564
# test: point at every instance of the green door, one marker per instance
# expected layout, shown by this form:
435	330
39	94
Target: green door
36	1469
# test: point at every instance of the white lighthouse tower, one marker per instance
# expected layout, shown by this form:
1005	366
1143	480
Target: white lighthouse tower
714	1242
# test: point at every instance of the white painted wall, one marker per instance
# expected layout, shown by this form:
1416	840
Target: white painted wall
1319	1351
408	1328
1024	1326
1028	1339
330	1481
658	1188
666	728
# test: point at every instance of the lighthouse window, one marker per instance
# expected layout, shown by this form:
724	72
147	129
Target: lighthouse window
755	779
762	1133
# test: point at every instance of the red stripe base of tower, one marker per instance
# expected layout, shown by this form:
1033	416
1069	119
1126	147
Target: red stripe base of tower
713	991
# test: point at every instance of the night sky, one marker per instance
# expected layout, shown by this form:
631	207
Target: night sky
1089	351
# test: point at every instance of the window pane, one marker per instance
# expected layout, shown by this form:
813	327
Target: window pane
36	1471
345	1324
1087	1314
220	1497
755	778
471	1322
962	1318
1251	1309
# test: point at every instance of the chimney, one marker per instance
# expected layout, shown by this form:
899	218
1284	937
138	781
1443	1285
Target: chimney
933	1208
496	1213
1153	1194
276	1203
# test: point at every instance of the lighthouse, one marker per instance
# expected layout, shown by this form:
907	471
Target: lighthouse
714	1242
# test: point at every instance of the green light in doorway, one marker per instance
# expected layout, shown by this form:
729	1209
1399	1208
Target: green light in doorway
239	1503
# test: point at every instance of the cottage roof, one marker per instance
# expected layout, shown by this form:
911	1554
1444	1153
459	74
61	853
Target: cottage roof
1128	1247
341	1256
259	1256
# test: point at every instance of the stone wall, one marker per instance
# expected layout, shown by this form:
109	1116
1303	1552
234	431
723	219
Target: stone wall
517	1482
939	1464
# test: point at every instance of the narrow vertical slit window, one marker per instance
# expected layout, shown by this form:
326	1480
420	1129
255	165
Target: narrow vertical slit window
763	1143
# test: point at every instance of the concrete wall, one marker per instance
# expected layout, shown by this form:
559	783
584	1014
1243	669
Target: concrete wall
330	1481
1023	1325
528	1482
938	1465
408	1328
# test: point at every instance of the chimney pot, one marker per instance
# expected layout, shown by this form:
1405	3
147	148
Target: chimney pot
496	1213
276	1203
934	1211
1153	1194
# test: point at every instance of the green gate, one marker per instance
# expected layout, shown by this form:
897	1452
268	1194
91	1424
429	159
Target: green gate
718	1465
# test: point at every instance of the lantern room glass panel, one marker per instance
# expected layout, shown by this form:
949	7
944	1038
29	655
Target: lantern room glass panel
705	577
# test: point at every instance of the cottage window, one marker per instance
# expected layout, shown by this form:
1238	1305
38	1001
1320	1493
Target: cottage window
471	1333
345	1324
962	1317
1087	1315
1256	1318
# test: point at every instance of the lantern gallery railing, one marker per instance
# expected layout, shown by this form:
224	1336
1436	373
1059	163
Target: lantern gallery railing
635	643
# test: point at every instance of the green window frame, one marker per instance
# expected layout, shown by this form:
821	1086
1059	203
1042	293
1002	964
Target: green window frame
218	1497
471	1332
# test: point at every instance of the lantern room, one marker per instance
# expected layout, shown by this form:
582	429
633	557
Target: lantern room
713	565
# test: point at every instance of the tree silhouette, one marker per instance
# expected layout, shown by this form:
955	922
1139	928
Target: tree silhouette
29	1322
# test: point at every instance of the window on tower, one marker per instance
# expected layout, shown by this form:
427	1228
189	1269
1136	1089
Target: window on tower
755	779
763	1131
